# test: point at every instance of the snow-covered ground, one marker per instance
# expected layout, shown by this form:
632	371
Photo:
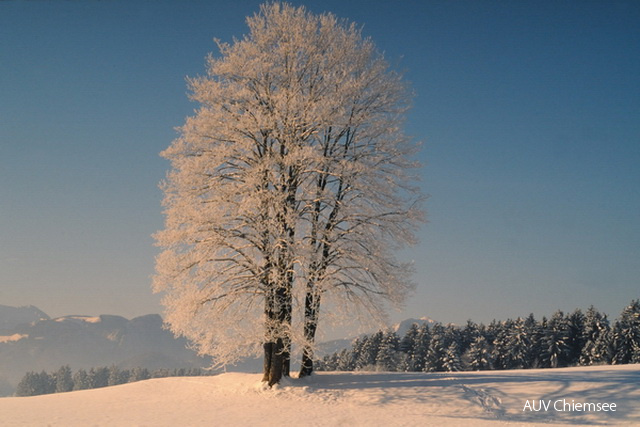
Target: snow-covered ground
347	399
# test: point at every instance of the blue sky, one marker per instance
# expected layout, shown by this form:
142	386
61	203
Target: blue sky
529	113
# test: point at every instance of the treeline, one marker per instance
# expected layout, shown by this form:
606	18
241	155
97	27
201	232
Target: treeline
575	339
64	380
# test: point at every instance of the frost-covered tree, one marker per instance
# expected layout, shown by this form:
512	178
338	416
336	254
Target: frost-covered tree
468	335
596	338
478	356
451	360
554	342
535	330
406	343
289	186
436	350
518	345
345	361
500	348
420	348
406	346
575	338
626	335
387	358
368	351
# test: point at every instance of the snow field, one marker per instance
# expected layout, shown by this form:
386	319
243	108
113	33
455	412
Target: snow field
343	399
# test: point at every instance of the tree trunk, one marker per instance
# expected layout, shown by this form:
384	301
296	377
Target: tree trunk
277	362
276	371
277	348
311	306
266	364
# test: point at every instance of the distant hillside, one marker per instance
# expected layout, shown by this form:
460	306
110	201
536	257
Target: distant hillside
85	342
10	317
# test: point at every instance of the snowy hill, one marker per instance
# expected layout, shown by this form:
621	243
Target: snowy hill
85	342
349	399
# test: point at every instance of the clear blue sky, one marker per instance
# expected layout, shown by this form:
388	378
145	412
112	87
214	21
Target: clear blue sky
529	113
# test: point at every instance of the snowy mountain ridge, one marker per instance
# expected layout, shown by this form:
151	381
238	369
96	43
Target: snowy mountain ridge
10	317
32	341
401	328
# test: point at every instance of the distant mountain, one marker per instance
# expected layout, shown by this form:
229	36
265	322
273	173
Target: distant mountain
329	347
401	328
85	342
10	317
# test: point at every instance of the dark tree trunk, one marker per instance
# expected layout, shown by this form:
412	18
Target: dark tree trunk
276	370
277	348
278	301
311	306
266	364
276	362
307	362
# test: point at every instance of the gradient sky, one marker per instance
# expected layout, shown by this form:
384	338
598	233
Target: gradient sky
529	113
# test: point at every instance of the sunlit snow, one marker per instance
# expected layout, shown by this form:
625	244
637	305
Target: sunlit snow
88	319
12	338
349	399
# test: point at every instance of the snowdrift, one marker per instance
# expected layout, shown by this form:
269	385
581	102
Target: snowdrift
349	399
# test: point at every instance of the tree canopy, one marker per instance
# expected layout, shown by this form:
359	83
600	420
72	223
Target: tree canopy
291	184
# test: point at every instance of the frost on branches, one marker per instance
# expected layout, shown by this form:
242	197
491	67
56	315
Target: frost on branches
290	186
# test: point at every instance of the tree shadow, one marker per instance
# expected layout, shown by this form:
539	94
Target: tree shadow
502	394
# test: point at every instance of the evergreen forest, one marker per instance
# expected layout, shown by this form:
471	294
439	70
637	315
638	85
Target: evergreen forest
563	340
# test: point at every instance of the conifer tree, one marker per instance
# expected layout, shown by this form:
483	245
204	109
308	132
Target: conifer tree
34	384
81	380
575	336
626	335
406	343
29	385
139	374
451	361
554	342
47	383
500	348
118	376
436	349
369	351
420	348
387	357
98	377
64	380
535	331
478	355
518	346
344	361
468	335
596	338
